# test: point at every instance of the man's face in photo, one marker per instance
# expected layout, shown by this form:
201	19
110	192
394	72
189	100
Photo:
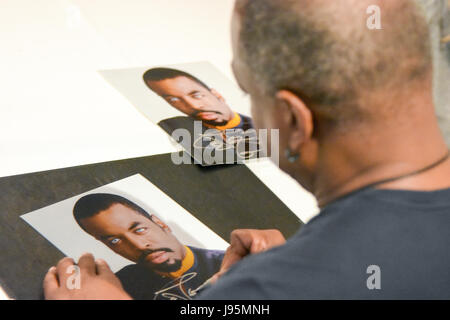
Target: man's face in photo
136	237
193	99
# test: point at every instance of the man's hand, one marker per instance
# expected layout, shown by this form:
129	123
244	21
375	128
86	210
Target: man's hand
248	241
89	280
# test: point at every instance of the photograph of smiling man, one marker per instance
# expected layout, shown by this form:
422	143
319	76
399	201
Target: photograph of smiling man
194	98
221	128
164	267
197	106
156	248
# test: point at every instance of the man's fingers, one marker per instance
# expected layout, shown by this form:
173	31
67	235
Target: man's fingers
265	239
87	264
248	241
50	283
216	276
275	238
241	241
62	264
64	269
231	257
102	267
258	245
245	241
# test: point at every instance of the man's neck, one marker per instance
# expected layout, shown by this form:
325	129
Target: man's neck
357	161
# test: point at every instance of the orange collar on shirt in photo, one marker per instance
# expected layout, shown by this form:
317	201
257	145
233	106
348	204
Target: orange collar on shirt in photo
186	264
229	125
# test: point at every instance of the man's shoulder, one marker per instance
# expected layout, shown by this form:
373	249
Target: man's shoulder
275	274
389	216
330	256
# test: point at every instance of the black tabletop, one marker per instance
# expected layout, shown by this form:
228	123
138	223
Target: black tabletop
223	197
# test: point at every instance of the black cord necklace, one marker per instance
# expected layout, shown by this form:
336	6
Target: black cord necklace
431	166
413	173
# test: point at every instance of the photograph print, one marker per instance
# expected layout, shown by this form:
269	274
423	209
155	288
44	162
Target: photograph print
155	247
197	106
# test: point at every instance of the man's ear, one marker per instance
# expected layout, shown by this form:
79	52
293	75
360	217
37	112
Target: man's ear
160	223
217	94
297	117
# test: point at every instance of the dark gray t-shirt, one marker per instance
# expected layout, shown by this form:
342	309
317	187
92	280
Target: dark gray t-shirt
392	239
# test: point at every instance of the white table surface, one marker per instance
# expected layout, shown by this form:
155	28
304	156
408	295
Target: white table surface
55	109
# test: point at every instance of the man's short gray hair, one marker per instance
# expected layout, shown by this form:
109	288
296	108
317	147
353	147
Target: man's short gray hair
324	52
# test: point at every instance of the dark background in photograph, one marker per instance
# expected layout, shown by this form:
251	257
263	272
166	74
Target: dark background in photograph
223	197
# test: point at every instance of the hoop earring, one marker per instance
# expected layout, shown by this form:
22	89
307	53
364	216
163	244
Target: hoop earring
292	157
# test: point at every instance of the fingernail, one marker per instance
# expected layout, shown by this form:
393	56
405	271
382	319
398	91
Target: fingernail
87	254
52	269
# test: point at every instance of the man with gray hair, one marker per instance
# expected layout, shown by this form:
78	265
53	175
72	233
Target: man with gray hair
356	117
354	109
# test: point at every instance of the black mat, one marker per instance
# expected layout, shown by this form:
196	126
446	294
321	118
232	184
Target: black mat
222	197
